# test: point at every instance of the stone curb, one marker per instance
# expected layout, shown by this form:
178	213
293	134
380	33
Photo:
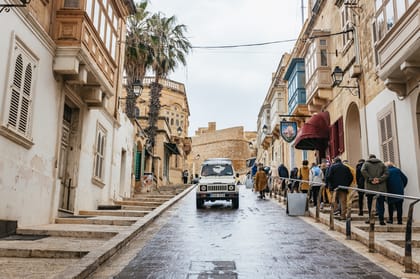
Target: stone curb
89	263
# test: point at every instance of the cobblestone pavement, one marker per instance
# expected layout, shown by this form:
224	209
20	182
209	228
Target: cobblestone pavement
256	241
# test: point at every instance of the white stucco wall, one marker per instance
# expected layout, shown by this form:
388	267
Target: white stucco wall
88	194
26	175
406	132
124	141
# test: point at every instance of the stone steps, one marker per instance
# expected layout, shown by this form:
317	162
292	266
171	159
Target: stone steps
139	203
147	199
96	221
75	245
138	207
71	230
151	196
45	253
389	239
125	213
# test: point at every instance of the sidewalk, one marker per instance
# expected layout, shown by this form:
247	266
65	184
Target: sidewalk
389	240
75	247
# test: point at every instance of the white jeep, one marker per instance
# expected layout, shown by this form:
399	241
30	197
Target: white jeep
217	182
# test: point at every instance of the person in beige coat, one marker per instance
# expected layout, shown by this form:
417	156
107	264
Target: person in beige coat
260	182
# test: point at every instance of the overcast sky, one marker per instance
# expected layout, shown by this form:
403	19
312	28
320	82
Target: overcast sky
228	86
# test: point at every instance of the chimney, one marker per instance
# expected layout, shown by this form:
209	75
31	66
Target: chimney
212	126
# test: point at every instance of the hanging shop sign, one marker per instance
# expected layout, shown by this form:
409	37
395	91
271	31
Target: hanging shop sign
288	130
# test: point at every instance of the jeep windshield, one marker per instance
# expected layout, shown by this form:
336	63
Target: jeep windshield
217	170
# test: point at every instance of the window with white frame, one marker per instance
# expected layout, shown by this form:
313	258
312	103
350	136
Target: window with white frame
317	56
388	134
375	40
387	14
105	21
346	25
17	116
100	144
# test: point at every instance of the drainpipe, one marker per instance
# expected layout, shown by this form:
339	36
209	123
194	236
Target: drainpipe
357	62
55	200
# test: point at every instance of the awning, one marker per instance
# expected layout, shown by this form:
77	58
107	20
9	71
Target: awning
172	148
314	134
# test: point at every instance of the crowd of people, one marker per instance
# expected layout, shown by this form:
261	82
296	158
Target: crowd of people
370	174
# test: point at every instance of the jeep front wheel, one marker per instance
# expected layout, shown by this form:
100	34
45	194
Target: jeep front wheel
235	203
199	203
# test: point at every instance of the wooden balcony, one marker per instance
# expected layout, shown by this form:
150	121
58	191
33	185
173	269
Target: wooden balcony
319	89
82	59
399	53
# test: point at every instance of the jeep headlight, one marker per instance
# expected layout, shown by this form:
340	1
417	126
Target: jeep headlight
231	187
203	188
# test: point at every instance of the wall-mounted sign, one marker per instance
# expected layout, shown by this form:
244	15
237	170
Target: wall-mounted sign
288	130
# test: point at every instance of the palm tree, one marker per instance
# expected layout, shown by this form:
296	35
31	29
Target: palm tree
154	42
168	48
137	48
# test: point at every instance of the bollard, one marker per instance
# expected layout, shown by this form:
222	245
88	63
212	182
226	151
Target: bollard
371	243
348	214
333	205
408	261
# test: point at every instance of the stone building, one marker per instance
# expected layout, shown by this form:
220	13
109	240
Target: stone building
357	69
65	146
233	143
167	159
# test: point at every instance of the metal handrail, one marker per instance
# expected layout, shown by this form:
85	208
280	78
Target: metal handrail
408	260
322	184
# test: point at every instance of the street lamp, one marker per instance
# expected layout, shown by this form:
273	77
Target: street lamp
6	7
133	91
337	77
137	87
179	131
264	129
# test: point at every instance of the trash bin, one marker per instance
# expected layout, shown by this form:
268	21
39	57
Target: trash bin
296	204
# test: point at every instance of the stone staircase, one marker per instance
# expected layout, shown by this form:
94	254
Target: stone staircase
389	240
99	232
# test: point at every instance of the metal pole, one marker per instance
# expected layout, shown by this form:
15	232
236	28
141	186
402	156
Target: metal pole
348	214
333	204
408	260
301	5
371	242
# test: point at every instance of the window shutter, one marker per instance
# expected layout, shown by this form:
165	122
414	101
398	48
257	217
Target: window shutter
388	136
137	169
340	136
15	94
383	139
333	141
26	99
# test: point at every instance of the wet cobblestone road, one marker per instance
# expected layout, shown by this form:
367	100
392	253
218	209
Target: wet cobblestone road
259	240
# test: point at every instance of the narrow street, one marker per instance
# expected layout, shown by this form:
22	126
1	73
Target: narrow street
256	241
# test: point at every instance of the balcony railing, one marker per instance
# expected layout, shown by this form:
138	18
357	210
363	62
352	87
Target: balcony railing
167	83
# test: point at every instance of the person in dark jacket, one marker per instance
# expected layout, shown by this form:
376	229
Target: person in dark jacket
360	184
376	174
283	173
396	183
294	185
340	175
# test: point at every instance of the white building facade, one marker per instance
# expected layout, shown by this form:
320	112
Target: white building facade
64	144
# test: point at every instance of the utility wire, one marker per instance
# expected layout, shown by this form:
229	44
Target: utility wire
272	42
245	45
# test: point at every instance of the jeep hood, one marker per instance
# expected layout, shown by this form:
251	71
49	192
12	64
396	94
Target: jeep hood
217	179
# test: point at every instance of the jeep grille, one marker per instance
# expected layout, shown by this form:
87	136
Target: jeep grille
217	187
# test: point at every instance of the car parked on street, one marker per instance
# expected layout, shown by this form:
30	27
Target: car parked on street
217	182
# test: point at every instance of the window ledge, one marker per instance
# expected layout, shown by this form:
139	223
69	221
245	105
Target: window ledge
15	137
97	182
346	47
